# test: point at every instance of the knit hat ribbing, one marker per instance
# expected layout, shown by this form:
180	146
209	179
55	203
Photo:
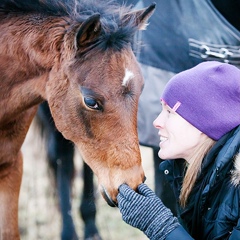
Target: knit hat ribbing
207	96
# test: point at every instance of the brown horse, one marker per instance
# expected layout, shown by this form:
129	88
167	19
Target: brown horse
78	57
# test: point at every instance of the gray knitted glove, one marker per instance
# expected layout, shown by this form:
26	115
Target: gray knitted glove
145	211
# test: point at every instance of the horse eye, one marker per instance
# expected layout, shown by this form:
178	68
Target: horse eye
92	103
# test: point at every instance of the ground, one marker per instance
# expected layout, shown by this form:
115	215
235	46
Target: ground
39	218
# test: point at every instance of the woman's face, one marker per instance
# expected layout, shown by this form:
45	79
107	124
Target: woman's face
178	138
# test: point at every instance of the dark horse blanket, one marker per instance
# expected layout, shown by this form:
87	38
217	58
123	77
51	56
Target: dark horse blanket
180	35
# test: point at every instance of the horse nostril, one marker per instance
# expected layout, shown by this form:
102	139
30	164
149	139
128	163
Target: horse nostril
144	179
107	198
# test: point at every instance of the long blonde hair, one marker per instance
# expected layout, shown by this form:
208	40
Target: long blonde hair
193	170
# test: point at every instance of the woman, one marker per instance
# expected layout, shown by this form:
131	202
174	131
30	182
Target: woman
199	129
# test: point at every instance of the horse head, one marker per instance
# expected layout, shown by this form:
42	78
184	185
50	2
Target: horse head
93	93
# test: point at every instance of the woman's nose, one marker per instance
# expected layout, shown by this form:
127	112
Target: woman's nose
157	122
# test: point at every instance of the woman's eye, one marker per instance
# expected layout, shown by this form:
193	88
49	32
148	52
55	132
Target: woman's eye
92	103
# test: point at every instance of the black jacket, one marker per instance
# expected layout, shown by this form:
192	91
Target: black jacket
213	208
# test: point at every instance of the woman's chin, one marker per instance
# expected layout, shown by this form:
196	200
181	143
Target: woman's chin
163	154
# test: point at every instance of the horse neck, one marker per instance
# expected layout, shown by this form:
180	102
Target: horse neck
28	51
32	40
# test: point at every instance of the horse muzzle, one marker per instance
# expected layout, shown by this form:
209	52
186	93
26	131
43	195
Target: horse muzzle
107	197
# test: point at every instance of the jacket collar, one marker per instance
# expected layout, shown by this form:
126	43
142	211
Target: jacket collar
220	160
236	171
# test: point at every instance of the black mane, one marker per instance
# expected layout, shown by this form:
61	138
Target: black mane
59	7
114	34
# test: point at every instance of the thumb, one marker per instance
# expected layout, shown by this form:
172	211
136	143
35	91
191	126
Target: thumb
145	190
126	192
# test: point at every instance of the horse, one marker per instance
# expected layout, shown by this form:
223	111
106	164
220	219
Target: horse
77	56
60	156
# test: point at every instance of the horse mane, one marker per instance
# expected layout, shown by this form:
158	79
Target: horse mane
115	33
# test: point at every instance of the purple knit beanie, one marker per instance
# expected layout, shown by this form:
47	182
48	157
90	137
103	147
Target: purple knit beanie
207	96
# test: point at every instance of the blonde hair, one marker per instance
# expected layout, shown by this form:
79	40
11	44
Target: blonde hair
193	170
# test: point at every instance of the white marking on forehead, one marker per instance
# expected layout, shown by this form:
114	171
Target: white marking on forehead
128	76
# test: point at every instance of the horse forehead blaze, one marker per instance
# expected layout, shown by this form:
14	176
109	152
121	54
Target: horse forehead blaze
128	76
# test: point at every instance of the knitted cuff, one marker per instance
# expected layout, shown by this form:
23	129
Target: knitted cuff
161	227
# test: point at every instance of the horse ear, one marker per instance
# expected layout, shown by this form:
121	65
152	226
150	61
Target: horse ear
88	31
141	16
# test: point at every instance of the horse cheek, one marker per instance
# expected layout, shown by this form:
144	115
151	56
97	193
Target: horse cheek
56	91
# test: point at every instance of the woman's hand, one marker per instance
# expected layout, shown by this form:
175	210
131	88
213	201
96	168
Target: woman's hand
145	211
